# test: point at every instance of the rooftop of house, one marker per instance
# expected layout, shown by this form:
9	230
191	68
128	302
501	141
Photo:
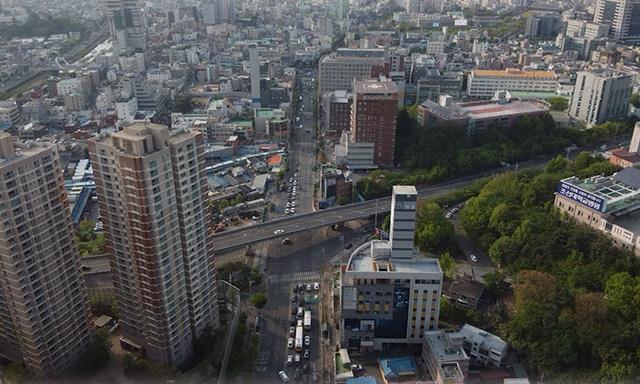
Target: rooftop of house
514	72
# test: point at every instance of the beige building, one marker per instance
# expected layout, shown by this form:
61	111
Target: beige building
44	311
484	83
608	204
152	189
338	70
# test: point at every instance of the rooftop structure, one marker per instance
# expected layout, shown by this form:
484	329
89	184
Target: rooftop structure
444	357
482	346
483	83
479	114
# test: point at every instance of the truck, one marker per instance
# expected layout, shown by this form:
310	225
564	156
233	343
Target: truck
299	338
307	319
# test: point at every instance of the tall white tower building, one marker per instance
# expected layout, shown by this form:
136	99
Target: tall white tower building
254	64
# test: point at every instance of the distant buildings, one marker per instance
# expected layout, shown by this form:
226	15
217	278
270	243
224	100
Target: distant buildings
622	16
600	96
389	293
373	118
126	23
9	114
337	71
218	11
478	114
542	25
152	190
484	83
44	311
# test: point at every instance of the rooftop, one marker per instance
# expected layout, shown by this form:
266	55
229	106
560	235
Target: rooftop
514	72
491	109
404	190
486	339
375	256
447	347
374	87
619	191
397	367
623	153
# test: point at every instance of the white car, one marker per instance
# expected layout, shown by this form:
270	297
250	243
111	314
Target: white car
288	204
474	258
307	341
278	231
289	359
293	210
290	343
316	286
293	203
287	211
283	376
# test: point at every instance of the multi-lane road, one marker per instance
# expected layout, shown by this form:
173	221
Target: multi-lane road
302	222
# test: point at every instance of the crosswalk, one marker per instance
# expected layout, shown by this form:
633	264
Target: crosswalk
291	277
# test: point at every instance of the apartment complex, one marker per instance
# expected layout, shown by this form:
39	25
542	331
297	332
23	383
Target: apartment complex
338	70
126	23
44	311
622	16
389	293
483	83
609	204
152	189
600	96
373	118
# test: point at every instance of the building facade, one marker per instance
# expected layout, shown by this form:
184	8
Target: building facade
373	118
622	16
126	23
389	293
9	113
600	96
484	83
337	109
337	71
44	310
152	189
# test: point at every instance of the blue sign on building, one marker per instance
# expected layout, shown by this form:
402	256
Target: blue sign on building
581	196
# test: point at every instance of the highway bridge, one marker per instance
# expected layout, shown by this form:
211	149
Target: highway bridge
289	225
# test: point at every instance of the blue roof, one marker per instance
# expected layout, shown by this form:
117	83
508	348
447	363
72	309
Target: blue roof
362	380
397	367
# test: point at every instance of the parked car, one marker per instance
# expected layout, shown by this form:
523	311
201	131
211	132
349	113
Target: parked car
309	288
307	340
289	359
290	343
292	331
316	286
283	375
307	354
474	258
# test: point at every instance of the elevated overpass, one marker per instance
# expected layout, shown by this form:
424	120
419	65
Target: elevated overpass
289	225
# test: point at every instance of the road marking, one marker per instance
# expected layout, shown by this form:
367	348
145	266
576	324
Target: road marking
290	277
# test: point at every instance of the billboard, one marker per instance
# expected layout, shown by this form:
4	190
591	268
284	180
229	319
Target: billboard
460	22
581	196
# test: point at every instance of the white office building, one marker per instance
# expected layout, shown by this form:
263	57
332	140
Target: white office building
388	293
600	96
338	70
623	17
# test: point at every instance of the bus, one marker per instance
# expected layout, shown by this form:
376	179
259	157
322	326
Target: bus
307	319
299	337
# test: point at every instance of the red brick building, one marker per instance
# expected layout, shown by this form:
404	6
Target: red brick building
373	118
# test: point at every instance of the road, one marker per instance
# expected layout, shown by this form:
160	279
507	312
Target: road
286	265
298	223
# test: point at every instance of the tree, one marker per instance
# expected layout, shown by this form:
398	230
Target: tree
448	265
342	200
86	230
635	99
558	103
258	299
493	281
183	104
15	373
97	355
434	233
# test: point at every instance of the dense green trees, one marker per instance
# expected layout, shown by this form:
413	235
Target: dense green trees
433	233
90	242
558	103
577	298
35	25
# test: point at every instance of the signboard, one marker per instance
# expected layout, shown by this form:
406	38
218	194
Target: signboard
581	196
460	22
350	298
